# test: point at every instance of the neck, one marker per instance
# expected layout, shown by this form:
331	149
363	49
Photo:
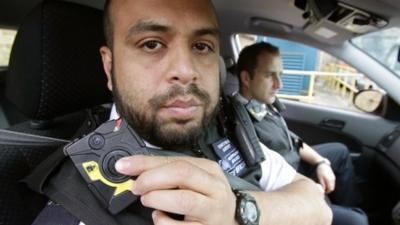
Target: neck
246	94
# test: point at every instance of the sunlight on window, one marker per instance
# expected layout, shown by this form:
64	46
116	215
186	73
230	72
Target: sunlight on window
383	45
6	40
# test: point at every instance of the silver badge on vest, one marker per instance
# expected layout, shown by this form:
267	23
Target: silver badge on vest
256	109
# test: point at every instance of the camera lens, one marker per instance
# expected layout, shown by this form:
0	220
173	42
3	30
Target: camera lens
97	141
108	166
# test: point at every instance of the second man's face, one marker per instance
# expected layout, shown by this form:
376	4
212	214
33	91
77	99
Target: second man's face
266	81
165	68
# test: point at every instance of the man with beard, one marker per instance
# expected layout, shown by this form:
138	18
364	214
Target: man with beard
162	65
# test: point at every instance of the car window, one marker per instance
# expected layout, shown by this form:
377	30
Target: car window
384	46
6	40
313	76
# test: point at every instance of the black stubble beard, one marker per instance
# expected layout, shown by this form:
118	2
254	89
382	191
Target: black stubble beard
151	129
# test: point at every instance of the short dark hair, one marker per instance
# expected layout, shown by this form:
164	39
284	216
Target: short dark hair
248	56
107	23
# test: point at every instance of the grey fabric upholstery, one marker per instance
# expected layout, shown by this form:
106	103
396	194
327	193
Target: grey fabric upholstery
55	73
55	65
231	84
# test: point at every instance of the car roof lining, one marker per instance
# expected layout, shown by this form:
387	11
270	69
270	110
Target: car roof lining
13	11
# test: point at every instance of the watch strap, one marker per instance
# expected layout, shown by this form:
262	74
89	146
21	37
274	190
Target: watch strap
323	161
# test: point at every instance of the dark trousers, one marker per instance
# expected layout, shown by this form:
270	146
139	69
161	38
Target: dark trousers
346	192
348	216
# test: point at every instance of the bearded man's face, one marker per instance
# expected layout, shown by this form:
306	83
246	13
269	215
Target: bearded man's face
163	68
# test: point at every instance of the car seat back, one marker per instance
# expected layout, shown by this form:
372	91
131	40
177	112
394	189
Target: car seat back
55	73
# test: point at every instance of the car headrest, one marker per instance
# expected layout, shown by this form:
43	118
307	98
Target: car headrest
231	84
222	71
55	65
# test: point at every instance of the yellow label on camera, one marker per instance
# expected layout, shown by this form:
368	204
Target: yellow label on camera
93	171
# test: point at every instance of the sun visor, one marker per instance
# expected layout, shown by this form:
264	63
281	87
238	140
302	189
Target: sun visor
334	22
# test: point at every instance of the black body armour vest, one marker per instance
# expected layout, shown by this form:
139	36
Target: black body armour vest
274	133
60	181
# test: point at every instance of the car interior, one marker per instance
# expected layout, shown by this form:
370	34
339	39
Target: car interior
55	79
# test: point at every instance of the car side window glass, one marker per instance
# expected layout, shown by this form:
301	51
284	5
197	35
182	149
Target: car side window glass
313	76
6	40
383	46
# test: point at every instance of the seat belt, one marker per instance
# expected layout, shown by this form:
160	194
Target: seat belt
95	116
240	123
8	137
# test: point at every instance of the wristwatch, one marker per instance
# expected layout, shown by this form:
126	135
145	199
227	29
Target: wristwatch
323	161
247	212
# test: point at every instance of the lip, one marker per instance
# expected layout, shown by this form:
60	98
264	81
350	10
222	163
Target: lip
181	108
181	103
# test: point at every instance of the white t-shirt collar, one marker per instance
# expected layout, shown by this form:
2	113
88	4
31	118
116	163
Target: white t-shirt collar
114	115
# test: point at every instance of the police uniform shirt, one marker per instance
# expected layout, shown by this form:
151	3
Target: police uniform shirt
276	173
272	131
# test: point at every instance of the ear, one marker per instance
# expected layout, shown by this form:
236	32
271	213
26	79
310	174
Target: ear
244	77
106	56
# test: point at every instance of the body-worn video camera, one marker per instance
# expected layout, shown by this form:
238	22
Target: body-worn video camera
95	156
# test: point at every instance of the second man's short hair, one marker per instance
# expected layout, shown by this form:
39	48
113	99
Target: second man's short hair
248	56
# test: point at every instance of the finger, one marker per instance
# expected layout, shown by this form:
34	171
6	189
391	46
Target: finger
134	165
160	218
326	186
328	178
330	185
322	183
182	175
182	202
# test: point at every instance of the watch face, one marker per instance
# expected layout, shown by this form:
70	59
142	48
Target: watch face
250	212
247	212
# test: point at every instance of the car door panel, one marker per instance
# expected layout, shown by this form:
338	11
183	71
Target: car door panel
318	123
377	168
315	134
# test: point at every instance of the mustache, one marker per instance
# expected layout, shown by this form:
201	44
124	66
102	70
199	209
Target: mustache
177	90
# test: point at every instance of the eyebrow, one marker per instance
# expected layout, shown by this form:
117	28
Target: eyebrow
207	31
143	26
149	25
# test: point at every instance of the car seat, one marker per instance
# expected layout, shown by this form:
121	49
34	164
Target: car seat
55	73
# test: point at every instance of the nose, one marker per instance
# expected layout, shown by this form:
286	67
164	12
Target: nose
277	81
182	67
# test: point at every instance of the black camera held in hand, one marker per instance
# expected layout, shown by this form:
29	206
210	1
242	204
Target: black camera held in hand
95	156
